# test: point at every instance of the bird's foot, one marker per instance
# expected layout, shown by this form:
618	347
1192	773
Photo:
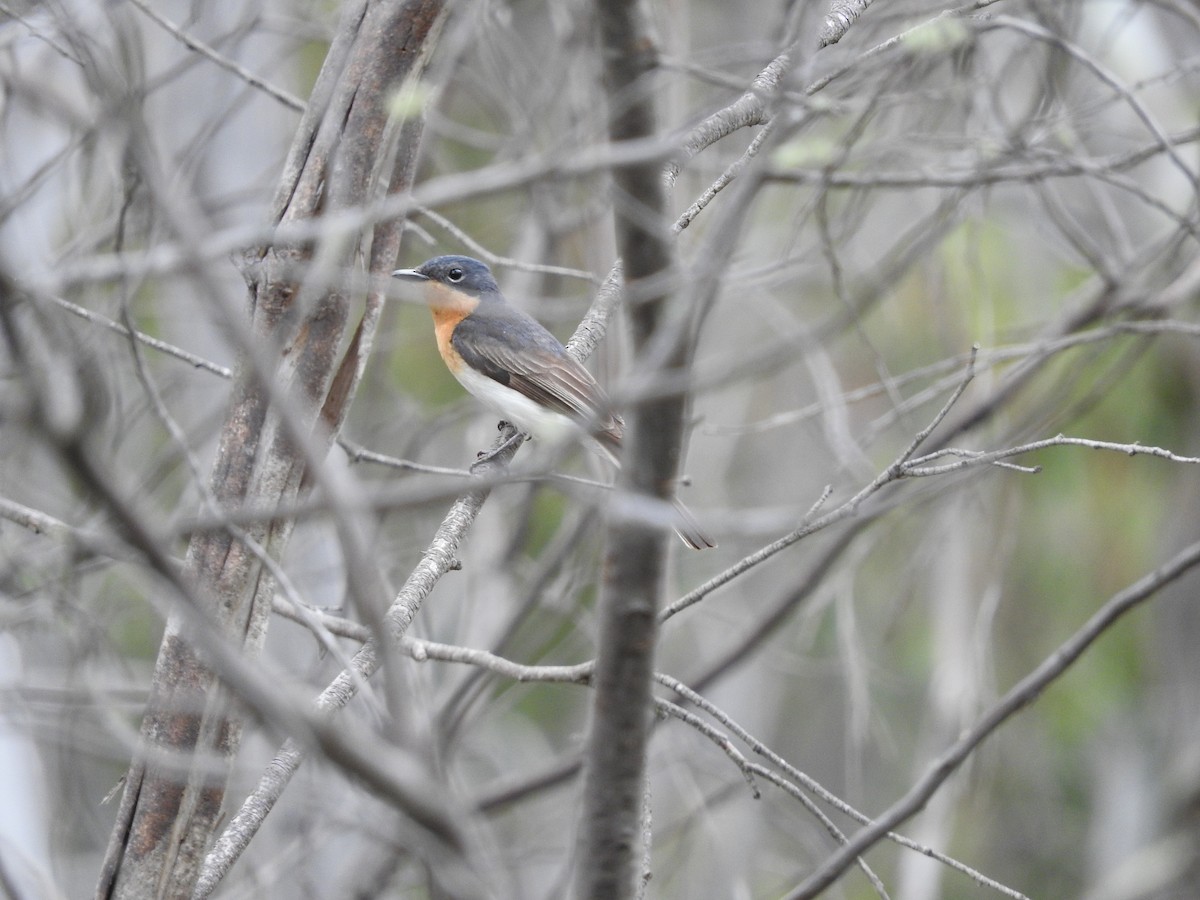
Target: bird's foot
485	457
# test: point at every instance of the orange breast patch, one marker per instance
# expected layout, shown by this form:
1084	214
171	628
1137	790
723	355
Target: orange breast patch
449	307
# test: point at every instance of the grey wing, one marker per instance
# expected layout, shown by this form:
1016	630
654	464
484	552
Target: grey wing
516	350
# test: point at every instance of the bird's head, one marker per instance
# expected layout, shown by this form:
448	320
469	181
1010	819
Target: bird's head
448	277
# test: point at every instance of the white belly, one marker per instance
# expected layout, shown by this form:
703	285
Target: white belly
527	415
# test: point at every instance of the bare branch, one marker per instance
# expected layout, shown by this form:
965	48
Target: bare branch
842	14
1018	697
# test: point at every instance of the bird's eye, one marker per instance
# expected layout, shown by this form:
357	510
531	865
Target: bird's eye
455	275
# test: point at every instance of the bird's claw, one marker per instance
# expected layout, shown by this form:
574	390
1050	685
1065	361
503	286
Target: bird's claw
486	457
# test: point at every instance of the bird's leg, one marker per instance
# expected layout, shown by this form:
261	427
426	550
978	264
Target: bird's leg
483	457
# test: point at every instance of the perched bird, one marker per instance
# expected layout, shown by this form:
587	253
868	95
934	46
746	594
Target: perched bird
508	360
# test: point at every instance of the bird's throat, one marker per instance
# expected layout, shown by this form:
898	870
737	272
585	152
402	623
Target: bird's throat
449	307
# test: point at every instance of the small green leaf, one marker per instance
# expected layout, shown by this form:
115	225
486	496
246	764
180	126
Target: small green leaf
937	36
409	101
809	152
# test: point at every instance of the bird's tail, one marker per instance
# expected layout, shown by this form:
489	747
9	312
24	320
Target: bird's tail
689	529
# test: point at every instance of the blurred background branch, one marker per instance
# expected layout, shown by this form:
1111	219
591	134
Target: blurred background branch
851	217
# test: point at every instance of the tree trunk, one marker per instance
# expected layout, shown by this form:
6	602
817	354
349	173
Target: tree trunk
635	559
290	396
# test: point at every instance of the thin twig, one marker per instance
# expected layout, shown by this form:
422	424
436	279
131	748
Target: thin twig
495	259
893	472
972	458
748	772
162	346
809	784
286	98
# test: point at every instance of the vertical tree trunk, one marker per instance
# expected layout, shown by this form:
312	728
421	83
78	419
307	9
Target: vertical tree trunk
636	554
290	396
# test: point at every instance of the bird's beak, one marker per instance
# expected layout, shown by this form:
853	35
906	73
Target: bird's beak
410	275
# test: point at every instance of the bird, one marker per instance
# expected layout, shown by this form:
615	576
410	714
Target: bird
517	368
